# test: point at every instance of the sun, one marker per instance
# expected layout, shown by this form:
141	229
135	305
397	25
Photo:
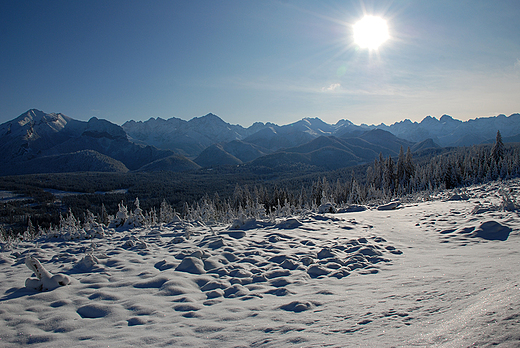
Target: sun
370	32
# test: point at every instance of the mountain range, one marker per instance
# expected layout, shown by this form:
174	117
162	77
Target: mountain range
37	142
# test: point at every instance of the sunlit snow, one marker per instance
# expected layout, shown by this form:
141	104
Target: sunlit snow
441	271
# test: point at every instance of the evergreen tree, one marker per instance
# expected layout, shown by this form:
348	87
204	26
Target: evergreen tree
497	153
401	170
104	215
408	164
389	176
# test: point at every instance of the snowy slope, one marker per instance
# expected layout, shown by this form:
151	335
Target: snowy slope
438	273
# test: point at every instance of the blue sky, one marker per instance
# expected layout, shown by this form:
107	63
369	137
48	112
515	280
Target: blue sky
248	60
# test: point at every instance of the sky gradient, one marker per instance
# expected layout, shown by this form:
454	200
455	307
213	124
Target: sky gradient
268	61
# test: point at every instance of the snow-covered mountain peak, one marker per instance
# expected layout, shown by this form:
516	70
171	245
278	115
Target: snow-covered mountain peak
429	119
207	118
448	119
406	121
33	124
343	123
35	118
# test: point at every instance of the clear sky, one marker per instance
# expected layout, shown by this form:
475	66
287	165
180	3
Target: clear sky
248	60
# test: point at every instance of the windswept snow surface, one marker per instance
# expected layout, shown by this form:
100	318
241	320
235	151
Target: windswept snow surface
429	274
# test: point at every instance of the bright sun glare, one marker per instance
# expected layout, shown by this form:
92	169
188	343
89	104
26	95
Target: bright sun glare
370	32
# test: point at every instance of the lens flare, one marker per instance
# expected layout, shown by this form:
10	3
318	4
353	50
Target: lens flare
370	32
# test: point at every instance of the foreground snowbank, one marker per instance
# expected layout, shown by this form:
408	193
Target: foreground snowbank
437	273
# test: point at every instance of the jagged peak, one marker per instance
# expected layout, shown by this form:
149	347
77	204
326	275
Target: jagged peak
313	119
34	118
208	117
405	121
30	115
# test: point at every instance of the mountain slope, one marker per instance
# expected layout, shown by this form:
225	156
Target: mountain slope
173	163
329	152
34	131
244	151
35	134
80	161
216	155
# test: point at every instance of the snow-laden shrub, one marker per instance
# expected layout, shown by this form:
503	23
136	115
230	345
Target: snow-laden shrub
287	210
30	233
92	228
129	219
151	217
134	242
167	214
120	218
509	203
136	219
7	240
243	222
70	228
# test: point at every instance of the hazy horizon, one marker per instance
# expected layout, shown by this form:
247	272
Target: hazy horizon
266	122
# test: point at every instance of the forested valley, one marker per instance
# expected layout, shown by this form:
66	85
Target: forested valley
222	193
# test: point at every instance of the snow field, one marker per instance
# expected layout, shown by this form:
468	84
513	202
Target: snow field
437	273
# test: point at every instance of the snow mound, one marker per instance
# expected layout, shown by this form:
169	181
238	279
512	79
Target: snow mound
298	306
492	230
191	265
389	206
327	208
87	263
44	280
289	224
458	197
353	208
